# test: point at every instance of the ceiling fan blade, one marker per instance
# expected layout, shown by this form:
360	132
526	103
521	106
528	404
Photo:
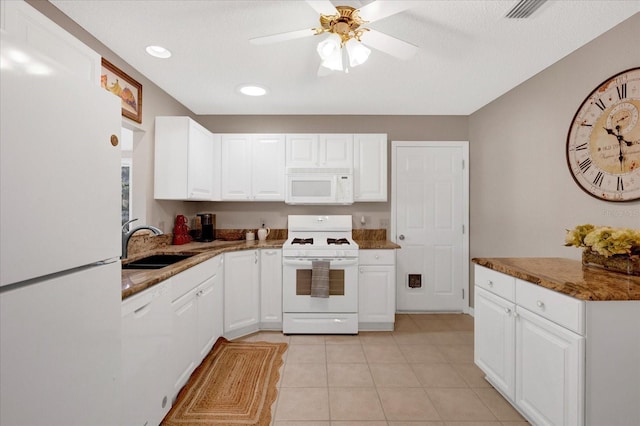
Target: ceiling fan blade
381	9
324	7
390	45
275	38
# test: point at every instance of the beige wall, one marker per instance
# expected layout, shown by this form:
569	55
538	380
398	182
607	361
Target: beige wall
522	194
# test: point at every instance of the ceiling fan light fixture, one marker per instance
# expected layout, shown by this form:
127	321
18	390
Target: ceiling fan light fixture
334	62
358	53
329	46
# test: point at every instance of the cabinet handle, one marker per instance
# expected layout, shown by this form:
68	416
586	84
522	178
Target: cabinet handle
490	283
507	311
401	237
516	315
540	304
377	257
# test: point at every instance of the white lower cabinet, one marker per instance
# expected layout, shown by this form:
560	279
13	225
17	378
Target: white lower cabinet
495	340
271	289
241	293
376	290
197	320
549	371
558	360
146	339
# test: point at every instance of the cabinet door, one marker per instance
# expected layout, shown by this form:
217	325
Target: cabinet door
267	159
376	294
200	164
183	342
236	167
241	292
301	150
495	340
336	150
549	371
271	288
207	315
370	167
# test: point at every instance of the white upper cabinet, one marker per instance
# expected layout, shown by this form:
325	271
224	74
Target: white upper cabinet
253	167
27	25
336	150
370	167
320	150
186	158
302	150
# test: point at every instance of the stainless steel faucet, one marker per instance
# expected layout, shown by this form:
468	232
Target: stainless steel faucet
126	235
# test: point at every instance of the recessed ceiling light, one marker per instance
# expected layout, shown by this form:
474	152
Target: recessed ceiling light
252	90
158	52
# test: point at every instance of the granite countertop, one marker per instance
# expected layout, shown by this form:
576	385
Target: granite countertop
568	276
377	245
137	280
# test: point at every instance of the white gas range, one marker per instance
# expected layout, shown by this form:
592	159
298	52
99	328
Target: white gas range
312	239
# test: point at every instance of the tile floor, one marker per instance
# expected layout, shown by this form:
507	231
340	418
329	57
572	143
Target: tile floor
421	374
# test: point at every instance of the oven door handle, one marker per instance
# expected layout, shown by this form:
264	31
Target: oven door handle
334	262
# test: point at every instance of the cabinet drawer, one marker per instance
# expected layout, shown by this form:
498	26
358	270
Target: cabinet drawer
377	257
495	282
559	308
186	280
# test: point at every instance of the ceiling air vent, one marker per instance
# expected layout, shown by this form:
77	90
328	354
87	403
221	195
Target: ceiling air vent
524	9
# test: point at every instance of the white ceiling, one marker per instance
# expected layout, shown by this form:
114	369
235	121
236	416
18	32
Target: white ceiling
469	53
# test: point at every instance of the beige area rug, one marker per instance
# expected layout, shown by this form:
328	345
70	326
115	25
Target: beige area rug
234	385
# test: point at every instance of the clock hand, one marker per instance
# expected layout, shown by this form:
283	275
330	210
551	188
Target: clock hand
618	135
620	140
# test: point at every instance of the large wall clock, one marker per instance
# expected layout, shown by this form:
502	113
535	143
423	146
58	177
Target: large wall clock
603	145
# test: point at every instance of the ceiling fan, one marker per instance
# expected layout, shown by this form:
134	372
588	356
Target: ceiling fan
348	39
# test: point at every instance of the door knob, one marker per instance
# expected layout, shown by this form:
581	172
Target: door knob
401	237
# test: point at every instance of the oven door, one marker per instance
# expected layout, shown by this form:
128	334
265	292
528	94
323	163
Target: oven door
343	286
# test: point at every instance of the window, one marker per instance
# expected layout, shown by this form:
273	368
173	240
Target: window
126	169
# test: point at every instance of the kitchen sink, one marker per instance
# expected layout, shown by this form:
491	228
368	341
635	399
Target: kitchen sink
157	261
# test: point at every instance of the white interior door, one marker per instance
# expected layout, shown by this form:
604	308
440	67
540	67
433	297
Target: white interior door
429	215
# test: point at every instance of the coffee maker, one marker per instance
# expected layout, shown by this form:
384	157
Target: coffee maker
208	224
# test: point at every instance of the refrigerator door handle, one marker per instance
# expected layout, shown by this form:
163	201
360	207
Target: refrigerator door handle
108	261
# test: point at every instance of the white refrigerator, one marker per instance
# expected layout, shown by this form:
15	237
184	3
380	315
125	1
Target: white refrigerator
60	285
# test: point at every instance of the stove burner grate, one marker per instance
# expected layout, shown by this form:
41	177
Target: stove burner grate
337	241
302	241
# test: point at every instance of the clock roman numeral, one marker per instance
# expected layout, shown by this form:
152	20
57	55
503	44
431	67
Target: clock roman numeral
598	179
620	184
622	91
584	166
600	104
581	146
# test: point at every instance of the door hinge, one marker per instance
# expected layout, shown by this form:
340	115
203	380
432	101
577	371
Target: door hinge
463	228
462	164
463	293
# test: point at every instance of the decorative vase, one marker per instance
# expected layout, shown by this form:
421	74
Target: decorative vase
626	264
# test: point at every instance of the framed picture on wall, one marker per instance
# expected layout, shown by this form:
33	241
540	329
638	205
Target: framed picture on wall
126	88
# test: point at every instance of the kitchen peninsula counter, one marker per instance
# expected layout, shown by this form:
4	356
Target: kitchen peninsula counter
568	276
137	280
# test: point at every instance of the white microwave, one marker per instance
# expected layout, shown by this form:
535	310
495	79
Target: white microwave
319	186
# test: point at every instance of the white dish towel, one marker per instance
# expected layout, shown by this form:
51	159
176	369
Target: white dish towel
320	278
